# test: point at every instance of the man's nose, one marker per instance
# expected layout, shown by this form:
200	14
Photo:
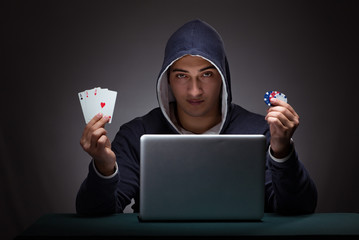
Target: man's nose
195	88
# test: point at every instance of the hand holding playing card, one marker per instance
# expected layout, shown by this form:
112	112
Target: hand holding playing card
95	142
97	106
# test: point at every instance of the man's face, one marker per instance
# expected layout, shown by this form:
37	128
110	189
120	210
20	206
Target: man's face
196	85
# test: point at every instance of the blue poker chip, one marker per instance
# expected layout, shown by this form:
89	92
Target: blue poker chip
267	97
274	94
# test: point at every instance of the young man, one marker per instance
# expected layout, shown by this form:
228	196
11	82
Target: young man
194	94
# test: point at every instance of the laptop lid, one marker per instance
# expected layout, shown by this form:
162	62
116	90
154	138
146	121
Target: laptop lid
202	177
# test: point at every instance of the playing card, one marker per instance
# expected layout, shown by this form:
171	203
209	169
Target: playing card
107	102
92	107
97	100
83	104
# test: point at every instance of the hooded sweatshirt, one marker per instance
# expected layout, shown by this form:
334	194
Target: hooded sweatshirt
288	186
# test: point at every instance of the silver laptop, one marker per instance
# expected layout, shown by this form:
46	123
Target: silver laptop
202	177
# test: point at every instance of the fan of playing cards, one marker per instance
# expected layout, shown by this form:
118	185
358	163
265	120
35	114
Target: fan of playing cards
97	100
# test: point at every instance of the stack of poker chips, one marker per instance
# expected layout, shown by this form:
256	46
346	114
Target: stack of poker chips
274	94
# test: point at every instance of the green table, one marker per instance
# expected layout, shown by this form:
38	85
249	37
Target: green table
127	226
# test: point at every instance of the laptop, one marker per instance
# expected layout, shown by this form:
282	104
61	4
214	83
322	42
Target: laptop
202	177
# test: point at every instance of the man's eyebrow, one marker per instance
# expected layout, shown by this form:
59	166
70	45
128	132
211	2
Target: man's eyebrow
201	70
179	70
206	68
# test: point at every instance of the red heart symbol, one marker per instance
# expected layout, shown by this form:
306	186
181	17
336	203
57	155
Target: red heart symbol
103	104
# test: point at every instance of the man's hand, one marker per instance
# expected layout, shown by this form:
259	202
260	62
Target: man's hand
283	121
95	142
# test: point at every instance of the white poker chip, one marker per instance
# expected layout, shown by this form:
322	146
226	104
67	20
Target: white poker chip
274	94
281	97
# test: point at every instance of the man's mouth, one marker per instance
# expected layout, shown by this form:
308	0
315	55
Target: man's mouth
195	101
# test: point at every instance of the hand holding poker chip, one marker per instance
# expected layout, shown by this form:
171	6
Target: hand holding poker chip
97	100
274	94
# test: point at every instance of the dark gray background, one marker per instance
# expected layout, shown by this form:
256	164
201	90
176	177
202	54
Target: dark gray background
54	49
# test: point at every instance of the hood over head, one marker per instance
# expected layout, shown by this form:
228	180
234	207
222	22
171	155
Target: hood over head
195	38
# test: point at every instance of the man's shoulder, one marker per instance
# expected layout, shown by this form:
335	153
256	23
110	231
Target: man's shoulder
152	122
241	120
152	116
240	112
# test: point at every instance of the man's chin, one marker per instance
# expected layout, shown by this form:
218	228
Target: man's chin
195	114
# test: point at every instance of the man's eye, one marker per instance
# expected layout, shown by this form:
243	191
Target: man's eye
207	74
180	75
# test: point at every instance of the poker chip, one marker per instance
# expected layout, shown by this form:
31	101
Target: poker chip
282	97
266	97
274	94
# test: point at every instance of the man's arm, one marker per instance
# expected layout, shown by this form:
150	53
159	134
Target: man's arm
93	195
96	195
100	194
289	188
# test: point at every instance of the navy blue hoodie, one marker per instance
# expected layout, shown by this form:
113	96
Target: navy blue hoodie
289	189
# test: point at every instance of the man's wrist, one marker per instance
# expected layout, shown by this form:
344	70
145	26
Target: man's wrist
281	158
106	174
